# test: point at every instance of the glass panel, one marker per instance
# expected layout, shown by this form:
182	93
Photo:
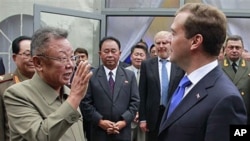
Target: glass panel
131	29
83	32
193	1
142	3
158	24
10	28
240	26
170	4
81	5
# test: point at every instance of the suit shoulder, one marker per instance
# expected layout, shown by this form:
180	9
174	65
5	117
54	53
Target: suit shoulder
124	71
155	59
6	77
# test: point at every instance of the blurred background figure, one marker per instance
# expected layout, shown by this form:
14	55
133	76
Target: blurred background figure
81	55
142	43
25	69
137	55
158	80
246	55
152	51
237	68
2	68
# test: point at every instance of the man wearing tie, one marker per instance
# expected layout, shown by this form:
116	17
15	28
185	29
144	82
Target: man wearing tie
137	55
206	102
237	68
112	97
158	80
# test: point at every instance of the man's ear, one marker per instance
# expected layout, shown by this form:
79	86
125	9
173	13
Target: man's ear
38	63
196	41
14	57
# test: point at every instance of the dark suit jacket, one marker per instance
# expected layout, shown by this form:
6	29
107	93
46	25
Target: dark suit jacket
206	112
123	64
150	90
99	103
2	68
241	79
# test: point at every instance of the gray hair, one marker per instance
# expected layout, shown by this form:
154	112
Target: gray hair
43	36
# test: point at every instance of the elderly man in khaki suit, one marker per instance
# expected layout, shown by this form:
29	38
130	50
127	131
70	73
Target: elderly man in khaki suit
44	108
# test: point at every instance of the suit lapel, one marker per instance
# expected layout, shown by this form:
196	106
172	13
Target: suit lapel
102	78
240	72
155	71
119	80
197	94
228	69
235	77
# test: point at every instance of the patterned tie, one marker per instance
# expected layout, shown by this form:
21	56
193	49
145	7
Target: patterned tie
164	83
178	94
111	82
234	66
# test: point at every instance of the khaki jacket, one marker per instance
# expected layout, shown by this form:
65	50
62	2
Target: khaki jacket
241	79
6	81
37	113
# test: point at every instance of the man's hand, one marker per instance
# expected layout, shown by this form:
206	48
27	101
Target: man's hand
79	84
136	119
143	126
120	124
106	124
111	127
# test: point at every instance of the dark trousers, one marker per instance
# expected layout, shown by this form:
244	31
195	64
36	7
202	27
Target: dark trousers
153	135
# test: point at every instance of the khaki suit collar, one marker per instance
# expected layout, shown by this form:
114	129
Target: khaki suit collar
47	92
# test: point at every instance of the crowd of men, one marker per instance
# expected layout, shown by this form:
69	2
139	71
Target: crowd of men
191	85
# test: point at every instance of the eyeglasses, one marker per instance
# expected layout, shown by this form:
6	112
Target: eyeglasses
62	60
25	55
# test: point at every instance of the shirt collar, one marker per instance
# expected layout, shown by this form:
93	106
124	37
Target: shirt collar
159	59
199	73
108	70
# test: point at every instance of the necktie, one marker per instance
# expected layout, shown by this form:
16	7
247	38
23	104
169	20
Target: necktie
138	76
111	82
178	94
164	83
234	66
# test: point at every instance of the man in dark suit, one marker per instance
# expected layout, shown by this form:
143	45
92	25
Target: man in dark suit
2	68
211	102
112	100
151	105
241	77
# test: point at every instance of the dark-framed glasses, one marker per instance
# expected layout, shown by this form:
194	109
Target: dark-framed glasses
62	60
25	55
